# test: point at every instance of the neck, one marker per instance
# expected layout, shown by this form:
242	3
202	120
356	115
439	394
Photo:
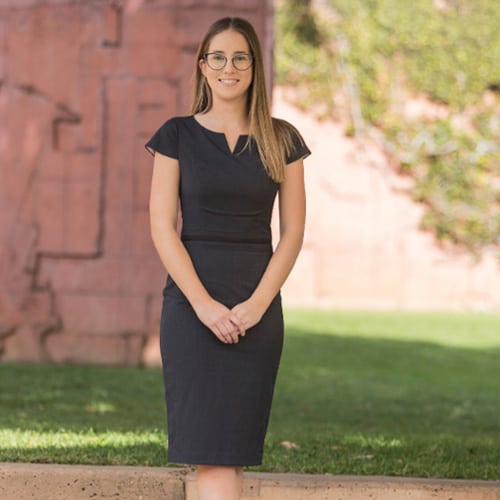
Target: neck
229	115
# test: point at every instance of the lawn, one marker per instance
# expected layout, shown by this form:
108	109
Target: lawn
407	394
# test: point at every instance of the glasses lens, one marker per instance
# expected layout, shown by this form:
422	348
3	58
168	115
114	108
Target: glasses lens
216	61
242	61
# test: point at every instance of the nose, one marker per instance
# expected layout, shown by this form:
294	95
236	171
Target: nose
228	68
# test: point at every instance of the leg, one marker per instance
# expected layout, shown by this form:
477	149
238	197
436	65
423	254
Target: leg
219	482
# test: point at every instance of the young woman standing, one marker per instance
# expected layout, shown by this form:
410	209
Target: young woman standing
222	322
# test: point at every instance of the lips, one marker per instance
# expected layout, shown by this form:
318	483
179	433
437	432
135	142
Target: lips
228	82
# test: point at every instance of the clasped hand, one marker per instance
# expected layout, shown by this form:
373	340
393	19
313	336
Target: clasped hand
229	324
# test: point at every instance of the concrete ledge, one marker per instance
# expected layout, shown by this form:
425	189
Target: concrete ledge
82	482
327	487
79	482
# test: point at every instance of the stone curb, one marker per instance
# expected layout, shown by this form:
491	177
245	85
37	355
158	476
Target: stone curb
21	481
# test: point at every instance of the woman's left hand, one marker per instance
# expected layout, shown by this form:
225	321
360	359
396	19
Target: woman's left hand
247	313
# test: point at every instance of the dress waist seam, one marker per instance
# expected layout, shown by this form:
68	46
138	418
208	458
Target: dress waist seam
216	238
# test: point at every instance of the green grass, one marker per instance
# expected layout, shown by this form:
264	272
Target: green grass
389	393
409	394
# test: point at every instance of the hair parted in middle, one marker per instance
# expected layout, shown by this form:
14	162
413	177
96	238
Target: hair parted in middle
274	137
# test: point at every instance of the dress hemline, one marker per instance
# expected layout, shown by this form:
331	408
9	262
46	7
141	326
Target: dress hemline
202	459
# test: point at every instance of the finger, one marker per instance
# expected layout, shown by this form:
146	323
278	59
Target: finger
230	328
238	324
219	334
227	330
232	331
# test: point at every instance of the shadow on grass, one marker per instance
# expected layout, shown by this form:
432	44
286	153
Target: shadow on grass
353	405
48	398
349	404
345	384
82	414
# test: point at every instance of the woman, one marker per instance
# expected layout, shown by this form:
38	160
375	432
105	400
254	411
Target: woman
222	323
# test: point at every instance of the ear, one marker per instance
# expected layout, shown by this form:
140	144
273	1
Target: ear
202	65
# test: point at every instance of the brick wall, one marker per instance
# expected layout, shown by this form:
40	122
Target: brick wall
83	84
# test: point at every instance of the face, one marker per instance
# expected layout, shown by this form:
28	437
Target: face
228	83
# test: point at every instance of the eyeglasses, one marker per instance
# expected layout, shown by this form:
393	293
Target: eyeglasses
218	61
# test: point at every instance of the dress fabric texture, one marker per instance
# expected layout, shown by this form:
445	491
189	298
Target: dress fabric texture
218	396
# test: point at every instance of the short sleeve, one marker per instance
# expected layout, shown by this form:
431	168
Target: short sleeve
165	140
299	149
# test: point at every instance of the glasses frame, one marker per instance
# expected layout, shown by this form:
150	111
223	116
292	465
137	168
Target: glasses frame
205	58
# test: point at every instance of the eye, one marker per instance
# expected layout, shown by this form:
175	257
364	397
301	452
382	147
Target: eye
241	57
218	57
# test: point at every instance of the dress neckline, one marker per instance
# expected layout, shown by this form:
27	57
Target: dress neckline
222	136
210	130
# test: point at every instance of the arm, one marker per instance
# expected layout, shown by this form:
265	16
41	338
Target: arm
292	212
163	208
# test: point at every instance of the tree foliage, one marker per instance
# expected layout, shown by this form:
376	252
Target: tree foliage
368	59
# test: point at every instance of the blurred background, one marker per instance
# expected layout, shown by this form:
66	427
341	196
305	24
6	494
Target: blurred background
398	101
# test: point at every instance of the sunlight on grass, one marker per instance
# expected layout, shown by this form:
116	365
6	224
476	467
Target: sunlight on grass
372	441
100	407
15	439
471	330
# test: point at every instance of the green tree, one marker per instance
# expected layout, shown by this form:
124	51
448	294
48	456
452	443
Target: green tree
362	59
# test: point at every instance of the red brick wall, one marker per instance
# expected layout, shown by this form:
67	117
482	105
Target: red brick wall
82	87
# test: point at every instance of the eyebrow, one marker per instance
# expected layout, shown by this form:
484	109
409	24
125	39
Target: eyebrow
235	52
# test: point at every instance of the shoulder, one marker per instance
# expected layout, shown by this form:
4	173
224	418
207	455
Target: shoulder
166	139
174	127
175	123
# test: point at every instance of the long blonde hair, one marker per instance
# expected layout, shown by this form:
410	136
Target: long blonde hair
274	137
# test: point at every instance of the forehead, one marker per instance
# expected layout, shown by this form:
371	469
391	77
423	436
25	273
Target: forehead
228	41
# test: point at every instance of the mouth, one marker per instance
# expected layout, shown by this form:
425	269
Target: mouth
228	82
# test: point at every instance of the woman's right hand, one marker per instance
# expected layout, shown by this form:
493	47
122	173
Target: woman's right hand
220	320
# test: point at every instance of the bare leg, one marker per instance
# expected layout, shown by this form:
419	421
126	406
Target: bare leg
219	482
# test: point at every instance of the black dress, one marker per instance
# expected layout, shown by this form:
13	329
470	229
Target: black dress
218	395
